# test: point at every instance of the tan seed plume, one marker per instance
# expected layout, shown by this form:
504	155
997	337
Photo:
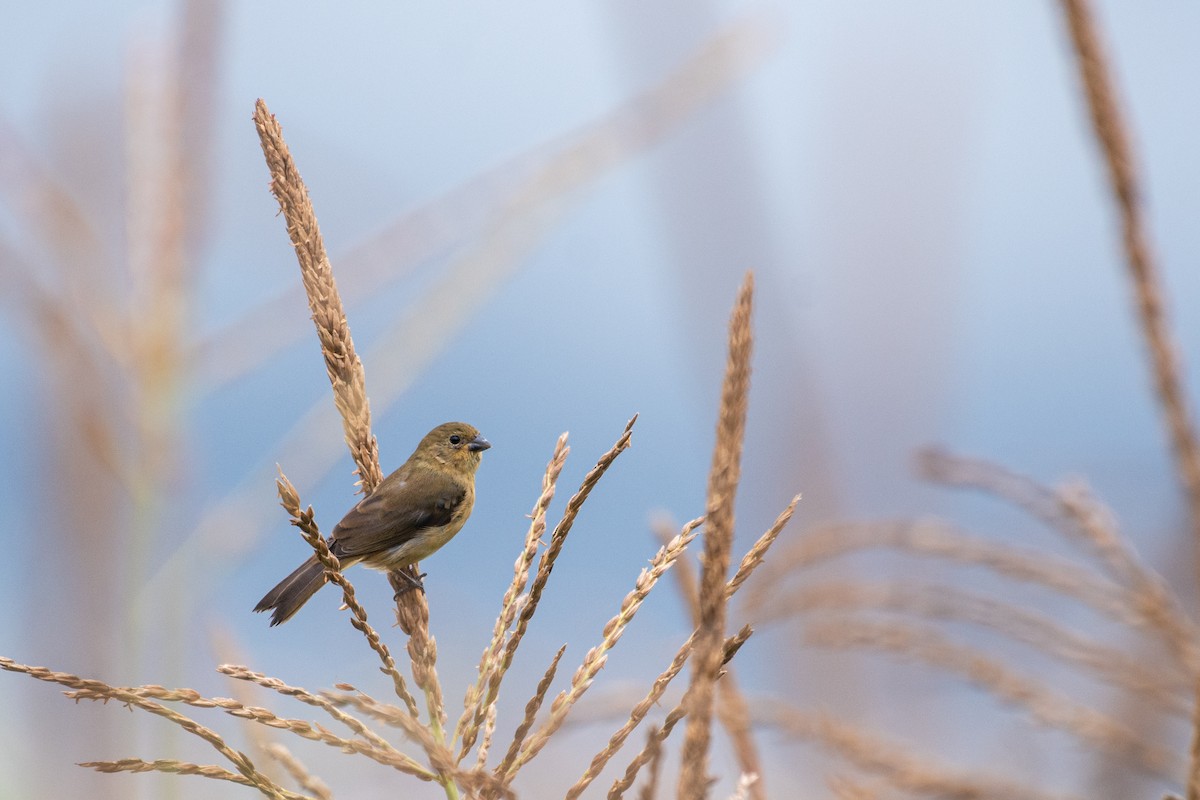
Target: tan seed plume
718	543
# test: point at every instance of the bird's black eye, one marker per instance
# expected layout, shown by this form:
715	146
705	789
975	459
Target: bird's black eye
455	439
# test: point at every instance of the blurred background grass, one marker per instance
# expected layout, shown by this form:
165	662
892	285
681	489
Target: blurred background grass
531	239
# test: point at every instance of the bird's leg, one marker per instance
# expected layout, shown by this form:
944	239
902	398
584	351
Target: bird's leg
413	583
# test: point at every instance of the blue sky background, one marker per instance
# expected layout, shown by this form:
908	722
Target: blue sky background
937	261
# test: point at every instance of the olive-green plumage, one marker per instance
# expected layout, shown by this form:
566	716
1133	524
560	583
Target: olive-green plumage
411	513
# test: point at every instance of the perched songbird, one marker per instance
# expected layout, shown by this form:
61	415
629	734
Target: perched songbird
411	513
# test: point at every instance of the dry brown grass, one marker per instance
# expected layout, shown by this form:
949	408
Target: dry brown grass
439	755
1110	128
901	618
492	666
718	544
843	614
732	710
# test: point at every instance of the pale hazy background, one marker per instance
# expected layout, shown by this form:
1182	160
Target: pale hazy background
915	185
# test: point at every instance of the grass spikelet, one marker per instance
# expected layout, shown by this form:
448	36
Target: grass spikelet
621	785
758	552
489	672
732	711
615	742
99	690
594	661
531	710
175	767
304	522
369	743
545	566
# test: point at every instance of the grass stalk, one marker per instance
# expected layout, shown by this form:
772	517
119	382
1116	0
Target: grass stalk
1110	129
718	544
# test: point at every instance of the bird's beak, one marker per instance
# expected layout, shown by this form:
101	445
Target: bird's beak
478	444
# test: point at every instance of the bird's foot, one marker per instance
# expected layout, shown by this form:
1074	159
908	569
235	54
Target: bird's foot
413	583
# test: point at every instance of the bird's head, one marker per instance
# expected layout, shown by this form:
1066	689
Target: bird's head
457	445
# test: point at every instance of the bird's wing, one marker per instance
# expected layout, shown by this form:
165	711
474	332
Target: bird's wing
396	511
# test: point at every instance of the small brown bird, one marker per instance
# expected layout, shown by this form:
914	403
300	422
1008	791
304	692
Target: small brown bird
411	513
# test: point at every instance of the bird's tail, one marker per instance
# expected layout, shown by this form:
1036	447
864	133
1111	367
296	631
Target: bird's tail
293	591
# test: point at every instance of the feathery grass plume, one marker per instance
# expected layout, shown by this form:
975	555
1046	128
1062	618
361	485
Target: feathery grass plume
1163	684
304	522
749	562
1109	126
902	770
732	711
545	565
259	738
347	378
299	773
99	690
174	767
1040	502
654	751
370	745
405	721
489	662
718	543
597	656
1074	512
941	540
758	552
1042	704
1153	597
347	695
531	711
342	364
441	758
728	650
